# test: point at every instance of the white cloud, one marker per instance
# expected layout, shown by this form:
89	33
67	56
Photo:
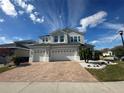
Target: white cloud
32	16
94	42
40	20
8	8
35	19
107	39
2	20
30	9
5	39
111	38
27	7
21	3
36	13
113	26
21	12
92	21
17	39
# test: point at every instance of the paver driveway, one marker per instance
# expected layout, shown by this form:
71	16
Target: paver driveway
52	71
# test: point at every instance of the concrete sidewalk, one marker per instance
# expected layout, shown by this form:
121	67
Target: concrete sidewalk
61	87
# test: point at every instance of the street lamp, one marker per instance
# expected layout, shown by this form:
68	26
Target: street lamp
121	34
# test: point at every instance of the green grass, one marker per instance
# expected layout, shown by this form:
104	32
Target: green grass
3	69
110	73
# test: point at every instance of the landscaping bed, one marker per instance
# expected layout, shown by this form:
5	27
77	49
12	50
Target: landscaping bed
110	73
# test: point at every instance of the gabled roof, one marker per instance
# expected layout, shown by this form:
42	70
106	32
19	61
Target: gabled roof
13	45
67	30
44	36
25	42
19	44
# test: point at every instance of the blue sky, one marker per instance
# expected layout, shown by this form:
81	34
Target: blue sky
100	20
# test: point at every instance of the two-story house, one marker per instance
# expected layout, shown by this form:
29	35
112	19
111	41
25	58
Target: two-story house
107	53
60	45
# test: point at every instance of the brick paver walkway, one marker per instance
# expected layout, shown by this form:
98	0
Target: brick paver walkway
54	71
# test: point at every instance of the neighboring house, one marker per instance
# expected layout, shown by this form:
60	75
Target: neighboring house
18	48
59	45
107	53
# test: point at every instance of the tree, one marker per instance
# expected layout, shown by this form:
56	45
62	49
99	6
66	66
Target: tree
85	54
97	54
7	53
118	51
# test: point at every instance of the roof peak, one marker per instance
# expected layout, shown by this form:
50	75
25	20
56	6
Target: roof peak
68	30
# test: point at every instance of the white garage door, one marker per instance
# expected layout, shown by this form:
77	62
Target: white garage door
40	56
35	58
62	55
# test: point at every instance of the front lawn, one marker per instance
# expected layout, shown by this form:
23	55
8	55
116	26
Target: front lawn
3	69
110	73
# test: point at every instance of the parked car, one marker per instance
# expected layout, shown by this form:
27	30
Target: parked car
19	60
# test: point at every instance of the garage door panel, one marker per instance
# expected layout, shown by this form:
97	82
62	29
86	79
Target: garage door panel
62	55
36	58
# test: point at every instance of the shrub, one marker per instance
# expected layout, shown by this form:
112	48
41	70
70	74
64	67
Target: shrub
18	60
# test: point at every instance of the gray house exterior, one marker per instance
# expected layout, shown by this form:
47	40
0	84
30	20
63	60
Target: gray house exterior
60	45
63	37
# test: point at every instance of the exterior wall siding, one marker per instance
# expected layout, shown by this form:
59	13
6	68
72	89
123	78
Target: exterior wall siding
66	37
22	53
73	34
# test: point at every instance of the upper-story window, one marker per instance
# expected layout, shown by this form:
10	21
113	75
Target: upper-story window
75	38
46	39
79	39
43	40
55	38
71	39
61	38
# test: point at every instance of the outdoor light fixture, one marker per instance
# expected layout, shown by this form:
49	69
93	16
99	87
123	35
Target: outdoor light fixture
121	34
